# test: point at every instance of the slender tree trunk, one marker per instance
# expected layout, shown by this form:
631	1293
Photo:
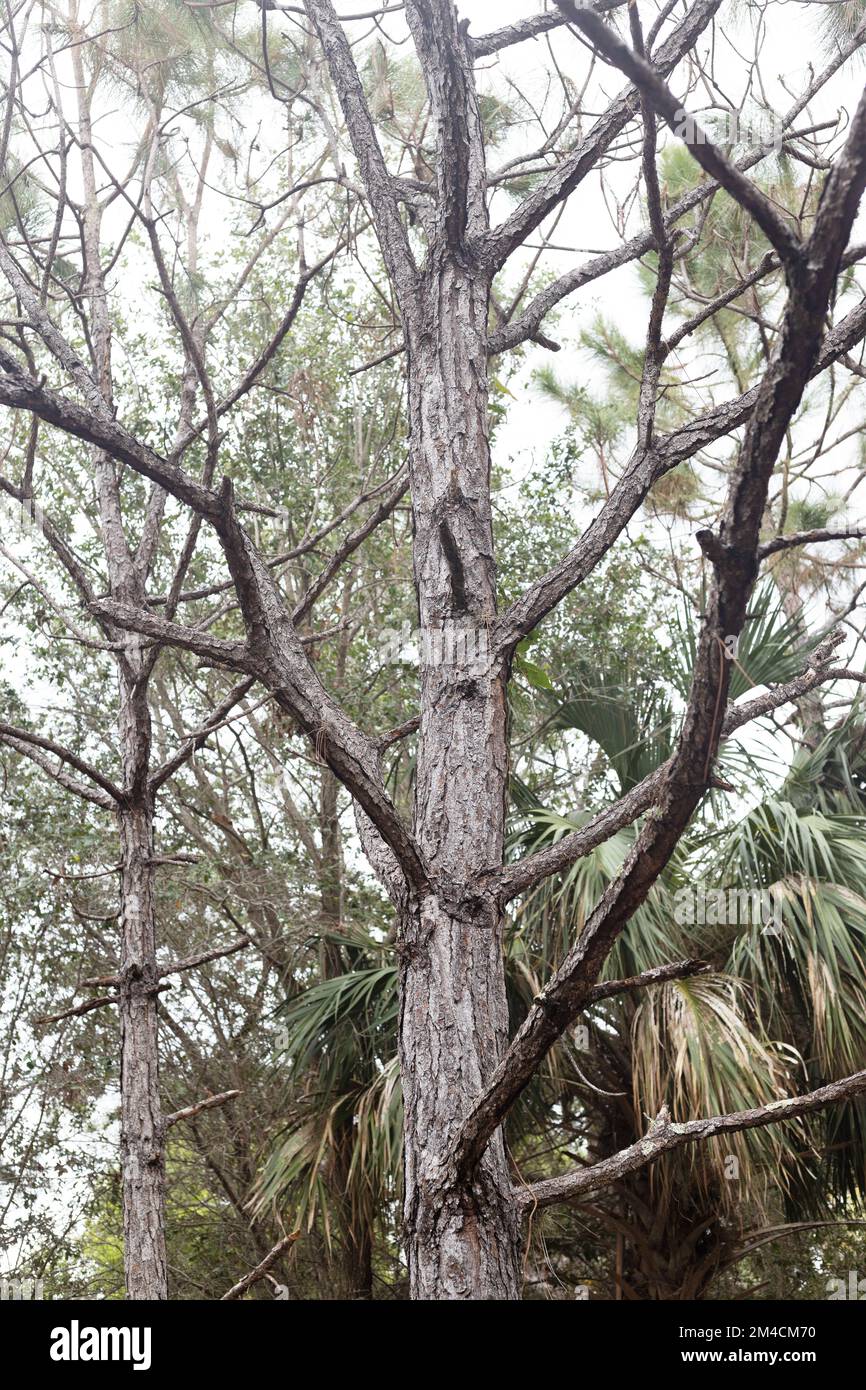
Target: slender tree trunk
462	1241
359	1266
142	1131
676	1253
355	1268
141	1128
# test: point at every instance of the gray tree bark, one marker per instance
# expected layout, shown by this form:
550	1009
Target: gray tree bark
462	1238
142	1146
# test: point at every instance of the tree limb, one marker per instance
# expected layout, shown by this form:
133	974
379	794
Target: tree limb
191	962
851	533
664	1135
709	156
235	655
190	1111
643	469
392	235
658	975
501	241
525	873
530	28
200	737
262	1268
461	207
12	733
735	571
524	327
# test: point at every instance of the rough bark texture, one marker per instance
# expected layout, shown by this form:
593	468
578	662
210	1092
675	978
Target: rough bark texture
141	1142
462	1239
142	1129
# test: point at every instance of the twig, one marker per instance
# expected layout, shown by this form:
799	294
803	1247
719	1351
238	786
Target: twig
190	1111
679	970
261	1269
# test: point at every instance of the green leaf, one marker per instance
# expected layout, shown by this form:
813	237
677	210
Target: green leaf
536	675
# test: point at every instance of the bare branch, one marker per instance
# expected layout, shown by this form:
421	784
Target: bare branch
78	1009
517	878
200	737
100	429
664	1135
530	28
274	655
501	241
235	655
351	543
191	1111
261	1269
525	327
24	741
192	962
274	651
643	469
736	567
709	156
402	731
851	533
377	181
658	975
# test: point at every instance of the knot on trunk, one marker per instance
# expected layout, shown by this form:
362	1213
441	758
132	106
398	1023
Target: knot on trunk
476	906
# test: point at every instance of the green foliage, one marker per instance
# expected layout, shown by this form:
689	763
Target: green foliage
772	647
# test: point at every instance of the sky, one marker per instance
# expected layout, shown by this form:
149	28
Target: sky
791	48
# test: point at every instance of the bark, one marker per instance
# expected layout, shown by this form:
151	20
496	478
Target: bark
142	1130
141	1127
462	1238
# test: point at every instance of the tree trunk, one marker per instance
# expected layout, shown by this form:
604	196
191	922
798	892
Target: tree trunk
359	1266
142	1133
141	1129
675	1248
463	1242
355	1268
